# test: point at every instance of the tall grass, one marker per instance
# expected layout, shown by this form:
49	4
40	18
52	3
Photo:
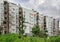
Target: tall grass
18	38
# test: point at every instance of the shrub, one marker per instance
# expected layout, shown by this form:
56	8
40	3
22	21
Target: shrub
54	39
15	38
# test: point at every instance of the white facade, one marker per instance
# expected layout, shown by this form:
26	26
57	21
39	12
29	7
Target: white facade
52	26
49	25
1	13
30	19
41	21
13	12
56	26
59	25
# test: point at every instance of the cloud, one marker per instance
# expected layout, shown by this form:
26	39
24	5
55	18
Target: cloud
51	8
29	3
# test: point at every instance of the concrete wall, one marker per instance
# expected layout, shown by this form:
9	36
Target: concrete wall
49	25
1	13
41	22
13	12
30	19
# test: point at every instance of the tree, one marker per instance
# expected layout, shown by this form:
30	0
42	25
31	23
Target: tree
38	33
35	31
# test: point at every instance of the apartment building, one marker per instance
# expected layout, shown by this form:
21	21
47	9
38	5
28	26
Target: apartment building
56	27
13	12
1	13
51	25
59	25
41	21
13	18
30	20
10	14
48	25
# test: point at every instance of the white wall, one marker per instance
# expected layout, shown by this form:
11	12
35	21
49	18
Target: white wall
59	25
1	13
13	10
29	20
41	21
56	26
49	25
26	12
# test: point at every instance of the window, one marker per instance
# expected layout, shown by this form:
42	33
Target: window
5	17
5	8
19	17
5	32
5	27
5	2
5	12
4	22
20	12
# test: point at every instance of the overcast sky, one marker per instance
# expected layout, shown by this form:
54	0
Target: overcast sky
46	7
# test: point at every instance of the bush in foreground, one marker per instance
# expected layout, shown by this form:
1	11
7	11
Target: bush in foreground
18	38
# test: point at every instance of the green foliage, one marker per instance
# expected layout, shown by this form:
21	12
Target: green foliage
21	31
8	38
35	31
38	33
54	39
15	38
